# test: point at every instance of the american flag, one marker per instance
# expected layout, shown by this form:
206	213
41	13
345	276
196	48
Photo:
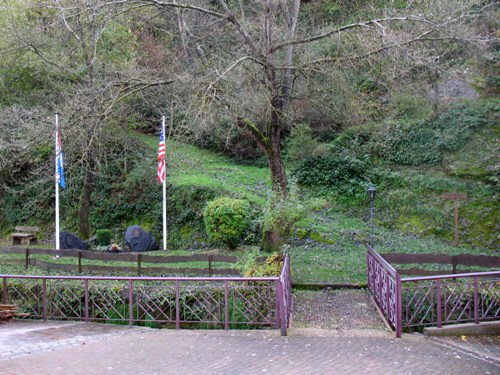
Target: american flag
161	159
60	161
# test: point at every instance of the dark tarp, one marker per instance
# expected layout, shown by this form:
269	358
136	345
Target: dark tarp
140	240
68	240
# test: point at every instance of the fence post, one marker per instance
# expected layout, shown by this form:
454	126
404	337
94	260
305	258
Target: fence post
86	301
79	261
210	271
226	304
280	302
177	307
454	264
399	306
44	299
130	303
387	292
476	300
27	257
4	294
278	305
439	305
139	268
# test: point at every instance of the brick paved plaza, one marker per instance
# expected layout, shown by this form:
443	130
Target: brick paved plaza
351	341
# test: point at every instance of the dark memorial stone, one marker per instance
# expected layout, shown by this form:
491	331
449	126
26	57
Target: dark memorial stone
68	240
140	240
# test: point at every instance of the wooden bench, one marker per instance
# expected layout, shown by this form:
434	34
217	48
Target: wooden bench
29	233
7	312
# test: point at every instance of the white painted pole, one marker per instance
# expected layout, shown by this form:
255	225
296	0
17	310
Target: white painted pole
164	188
57	184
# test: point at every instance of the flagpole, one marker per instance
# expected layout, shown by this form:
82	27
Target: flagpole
57	184
164	190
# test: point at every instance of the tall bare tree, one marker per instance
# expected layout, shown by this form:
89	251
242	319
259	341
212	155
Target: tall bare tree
257	58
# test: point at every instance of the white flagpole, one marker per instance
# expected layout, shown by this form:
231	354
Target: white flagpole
164	188
57	186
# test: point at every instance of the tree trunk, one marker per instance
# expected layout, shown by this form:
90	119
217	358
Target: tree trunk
271	238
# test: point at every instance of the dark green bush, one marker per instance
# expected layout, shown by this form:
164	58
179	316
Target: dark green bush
226	220
344	173
103	237
418	142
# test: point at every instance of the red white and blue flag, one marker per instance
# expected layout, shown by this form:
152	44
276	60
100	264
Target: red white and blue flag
161	159
60	161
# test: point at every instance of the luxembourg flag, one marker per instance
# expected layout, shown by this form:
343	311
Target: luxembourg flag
60	161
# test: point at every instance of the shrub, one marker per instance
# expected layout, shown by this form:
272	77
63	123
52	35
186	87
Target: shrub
103	237
226	220
344	173
301	143
251	267
280	216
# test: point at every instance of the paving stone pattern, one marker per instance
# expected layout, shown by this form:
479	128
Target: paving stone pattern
336	309
334	332
485	347
249	352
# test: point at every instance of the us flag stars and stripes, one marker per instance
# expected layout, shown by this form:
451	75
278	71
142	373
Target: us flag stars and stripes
161	159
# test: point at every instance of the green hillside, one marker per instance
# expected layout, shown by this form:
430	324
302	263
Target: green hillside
295	108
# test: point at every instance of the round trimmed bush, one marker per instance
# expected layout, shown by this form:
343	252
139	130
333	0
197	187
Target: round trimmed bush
103	237
226	220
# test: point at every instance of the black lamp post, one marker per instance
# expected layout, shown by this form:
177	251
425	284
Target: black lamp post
371	197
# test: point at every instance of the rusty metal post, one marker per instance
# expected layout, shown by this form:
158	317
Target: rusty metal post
226	304
399	306
130	303
86	302
177	307
4	294
439	304
476	300
44	299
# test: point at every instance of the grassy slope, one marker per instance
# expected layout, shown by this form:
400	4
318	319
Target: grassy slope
329	244
189	165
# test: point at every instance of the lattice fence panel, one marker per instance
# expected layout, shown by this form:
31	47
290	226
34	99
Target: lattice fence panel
156	303
457	302
27	295
65	299
489	299
419	304
108	302
253	304
202	303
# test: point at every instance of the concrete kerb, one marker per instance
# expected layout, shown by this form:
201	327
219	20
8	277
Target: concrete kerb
465	329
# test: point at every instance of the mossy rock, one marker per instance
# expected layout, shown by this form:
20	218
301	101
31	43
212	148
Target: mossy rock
319	238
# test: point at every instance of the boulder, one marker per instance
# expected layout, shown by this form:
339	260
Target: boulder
68	240
139	239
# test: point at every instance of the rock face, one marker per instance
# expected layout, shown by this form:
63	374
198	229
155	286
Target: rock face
140	240
68	240
454	89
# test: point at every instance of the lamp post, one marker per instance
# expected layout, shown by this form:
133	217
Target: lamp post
371	197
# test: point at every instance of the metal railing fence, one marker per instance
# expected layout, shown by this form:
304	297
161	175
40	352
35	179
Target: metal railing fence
220	302
432	300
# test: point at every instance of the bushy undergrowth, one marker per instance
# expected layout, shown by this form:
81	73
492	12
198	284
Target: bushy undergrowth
341	172
418	142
